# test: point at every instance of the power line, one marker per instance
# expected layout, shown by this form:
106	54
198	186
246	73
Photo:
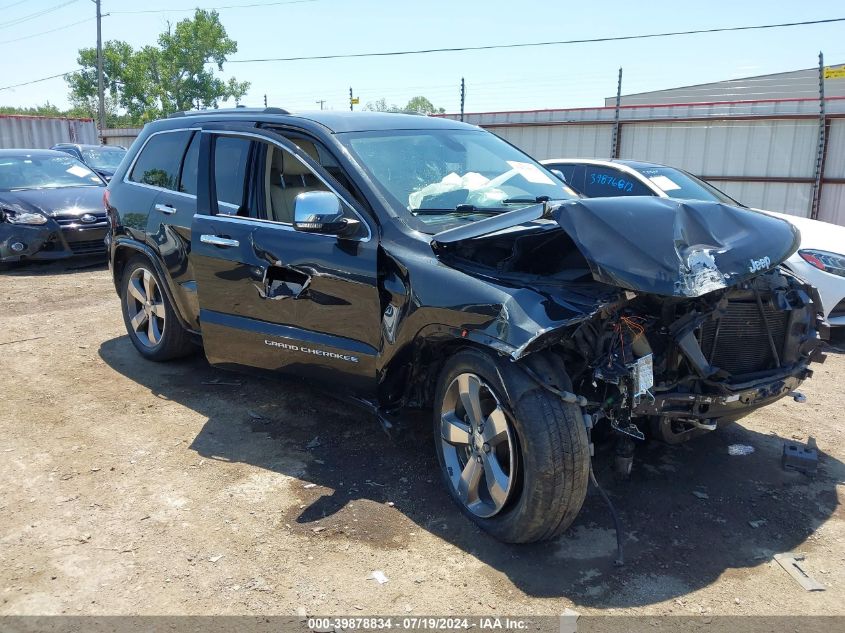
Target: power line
535	44
488	47
60	28
37	14
254	5
35	81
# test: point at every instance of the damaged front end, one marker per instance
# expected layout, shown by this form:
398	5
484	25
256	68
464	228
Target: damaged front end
705	325
687	365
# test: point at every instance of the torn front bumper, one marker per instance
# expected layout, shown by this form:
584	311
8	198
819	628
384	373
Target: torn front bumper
733	403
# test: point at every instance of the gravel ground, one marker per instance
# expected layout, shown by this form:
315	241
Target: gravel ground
130	487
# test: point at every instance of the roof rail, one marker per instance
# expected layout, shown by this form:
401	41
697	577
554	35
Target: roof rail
237	110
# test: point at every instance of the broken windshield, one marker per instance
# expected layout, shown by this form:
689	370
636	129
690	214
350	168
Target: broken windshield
443	177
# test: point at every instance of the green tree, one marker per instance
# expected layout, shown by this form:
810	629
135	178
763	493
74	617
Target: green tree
48	109
423	106
174	74
380	105
420	105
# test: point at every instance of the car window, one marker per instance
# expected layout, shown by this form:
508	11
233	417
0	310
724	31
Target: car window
188	175
35	171
678	184
280	177
231	158
608	182
159	160
436	178
68	150
566	170
104	157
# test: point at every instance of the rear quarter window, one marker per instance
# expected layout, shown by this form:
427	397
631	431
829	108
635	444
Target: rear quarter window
159	160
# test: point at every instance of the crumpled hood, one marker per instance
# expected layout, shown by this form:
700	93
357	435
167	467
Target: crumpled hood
60	201
674	247
656	245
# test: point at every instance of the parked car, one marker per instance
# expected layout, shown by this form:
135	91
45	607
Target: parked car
51	206
414	262
820	259
104	159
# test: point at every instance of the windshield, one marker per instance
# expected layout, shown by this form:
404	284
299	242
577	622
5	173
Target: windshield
681	185
107	158
45	172
449	177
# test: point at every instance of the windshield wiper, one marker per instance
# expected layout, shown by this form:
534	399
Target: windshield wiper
536	200
463	209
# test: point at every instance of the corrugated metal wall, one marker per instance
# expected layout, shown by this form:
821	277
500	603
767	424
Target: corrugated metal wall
832	208
772	148
763	153
44	132
123	136
557	141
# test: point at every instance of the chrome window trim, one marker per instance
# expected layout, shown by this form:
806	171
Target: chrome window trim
131	167
239	219
286	225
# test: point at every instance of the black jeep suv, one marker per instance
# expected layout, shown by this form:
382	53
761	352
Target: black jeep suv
415	262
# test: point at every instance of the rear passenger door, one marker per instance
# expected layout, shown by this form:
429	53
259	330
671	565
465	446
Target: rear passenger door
273	297
167	168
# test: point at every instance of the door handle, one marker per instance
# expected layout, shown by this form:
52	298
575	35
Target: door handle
216	240
167	209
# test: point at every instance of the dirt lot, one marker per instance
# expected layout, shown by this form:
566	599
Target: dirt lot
133	487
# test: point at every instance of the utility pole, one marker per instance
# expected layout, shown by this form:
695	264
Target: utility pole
821	147
351	100
265	100
463	97
101	110
614	143
321	102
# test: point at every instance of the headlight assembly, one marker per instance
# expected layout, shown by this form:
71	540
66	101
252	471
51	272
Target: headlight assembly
24	218
16	217
828	262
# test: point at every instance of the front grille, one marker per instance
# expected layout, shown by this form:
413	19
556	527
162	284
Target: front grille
84	247
73	221
838	310
742	345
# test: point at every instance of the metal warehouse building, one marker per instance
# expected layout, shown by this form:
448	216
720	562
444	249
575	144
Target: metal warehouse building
765	152
42	132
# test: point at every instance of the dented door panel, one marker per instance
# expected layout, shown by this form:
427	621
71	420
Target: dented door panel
286	300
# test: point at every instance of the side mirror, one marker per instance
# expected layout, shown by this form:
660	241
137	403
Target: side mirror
321	212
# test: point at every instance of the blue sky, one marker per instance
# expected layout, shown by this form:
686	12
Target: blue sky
548	77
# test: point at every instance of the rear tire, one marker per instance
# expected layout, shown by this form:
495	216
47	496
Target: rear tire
150	319
534	487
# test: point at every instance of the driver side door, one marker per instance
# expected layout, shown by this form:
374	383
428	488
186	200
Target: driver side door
271	296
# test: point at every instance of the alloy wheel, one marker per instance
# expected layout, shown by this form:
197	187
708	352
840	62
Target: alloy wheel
478	445
145	306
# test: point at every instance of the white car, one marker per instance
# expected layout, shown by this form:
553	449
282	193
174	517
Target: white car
820	260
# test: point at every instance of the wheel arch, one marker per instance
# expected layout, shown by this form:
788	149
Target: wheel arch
123	251
410	378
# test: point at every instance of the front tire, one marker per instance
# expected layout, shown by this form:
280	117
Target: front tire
514	457
150	319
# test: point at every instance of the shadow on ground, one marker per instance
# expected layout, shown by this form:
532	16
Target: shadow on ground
72	265
676	541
